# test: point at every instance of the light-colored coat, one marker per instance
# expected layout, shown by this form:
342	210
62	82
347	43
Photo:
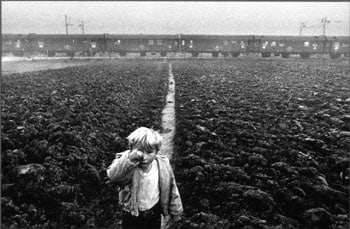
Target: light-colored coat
124	173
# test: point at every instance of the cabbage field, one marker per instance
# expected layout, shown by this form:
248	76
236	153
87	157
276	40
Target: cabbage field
260	143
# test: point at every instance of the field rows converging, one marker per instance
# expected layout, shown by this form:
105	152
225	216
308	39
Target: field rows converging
254	143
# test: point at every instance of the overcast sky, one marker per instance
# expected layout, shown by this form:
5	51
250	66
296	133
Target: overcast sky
232	18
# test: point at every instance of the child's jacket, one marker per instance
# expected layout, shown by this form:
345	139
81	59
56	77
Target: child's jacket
125	174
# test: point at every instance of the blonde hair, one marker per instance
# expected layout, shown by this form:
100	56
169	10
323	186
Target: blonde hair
145	138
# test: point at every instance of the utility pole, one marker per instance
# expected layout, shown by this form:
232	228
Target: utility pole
302	26
324	22
66	19
82	26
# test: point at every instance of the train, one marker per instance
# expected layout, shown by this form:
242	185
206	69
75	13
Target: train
193	44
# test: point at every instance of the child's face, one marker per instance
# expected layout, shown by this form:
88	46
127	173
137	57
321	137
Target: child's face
147	157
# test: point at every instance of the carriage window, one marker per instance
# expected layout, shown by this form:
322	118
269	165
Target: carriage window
175	42
191	43
281	44
314	46
183	42
242	44
273	44
93	44
345	45
306	44
264	45
234	42
336	45
9	42
150	42
85	42
159	42
225	42
117	42
41	44
18	44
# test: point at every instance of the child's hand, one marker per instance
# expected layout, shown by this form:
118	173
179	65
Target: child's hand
135	156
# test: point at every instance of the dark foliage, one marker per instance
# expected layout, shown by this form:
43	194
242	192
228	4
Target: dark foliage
60	131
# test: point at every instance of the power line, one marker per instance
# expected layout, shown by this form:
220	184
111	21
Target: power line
323	24
82	26
67	24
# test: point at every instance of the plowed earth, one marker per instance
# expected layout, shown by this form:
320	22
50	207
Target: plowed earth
259	143
61	129
263	143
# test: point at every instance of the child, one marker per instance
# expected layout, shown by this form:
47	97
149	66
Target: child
147	182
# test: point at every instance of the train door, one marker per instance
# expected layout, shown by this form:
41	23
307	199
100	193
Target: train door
251	44
254	44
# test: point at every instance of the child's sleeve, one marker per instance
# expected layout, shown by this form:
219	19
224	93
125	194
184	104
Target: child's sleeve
120	170
175	204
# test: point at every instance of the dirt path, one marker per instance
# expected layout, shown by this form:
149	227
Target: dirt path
168	118
168	125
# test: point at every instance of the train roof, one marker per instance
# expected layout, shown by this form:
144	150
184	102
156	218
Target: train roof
291	37
210	36
8	36
54	36
141	36
69	36
339	38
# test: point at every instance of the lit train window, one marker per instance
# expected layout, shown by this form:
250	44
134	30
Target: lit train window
150	42
273	44
336	45
183	42
242	44
117	42
225	42
159	42
18	44
281	44
314	46
306	44
264	45
41	44
93	44
191	43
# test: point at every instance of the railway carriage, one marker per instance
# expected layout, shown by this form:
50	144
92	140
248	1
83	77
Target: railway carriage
50	44
142	44
240	44
287	45
338	46
214	44
267	45
14	43
90	44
